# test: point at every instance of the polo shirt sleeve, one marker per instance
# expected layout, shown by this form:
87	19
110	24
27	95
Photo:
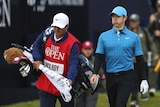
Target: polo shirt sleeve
137	46
100	45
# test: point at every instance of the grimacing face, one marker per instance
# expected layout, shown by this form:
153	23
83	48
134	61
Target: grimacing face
118	21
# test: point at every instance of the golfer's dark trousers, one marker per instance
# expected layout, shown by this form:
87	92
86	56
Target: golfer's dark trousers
119	86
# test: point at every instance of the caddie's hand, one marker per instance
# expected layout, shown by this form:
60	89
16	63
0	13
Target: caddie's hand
144	86
93	79
36	64
70	82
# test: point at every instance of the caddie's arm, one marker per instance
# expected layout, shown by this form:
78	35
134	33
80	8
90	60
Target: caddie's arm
73	64
37	51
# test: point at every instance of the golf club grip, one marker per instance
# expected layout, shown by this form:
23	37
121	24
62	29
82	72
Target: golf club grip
17	46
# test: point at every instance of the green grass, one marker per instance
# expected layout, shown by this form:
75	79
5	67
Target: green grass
102	102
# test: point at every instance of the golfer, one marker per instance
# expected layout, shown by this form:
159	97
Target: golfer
119	46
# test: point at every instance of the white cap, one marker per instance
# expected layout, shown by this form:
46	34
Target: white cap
60	20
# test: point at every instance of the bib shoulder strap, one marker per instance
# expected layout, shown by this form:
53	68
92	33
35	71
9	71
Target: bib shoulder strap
47	33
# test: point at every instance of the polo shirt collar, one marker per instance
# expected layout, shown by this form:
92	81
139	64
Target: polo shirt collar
123	31
61	39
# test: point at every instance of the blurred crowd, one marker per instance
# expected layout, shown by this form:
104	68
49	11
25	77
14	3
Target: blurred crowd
150	40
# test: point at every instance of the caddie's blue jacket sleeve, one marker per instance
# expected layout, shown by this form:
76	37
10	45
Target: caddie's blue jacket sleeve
37	48
73	63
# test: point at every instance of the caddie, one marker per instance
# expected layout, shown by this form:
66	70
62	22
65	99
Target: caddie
60	54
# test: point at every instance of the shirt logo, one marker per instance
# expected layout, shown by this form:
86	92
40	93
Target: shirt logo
57	19
54	52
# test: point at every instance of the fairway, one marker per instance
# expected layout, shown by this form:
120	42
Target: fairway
102	102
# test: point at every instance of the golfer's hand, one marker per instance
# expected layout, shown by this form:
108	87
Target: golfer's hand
93	79
144	87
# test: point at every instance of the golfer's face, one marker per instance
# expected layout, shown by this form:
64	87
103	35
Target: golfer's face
118	21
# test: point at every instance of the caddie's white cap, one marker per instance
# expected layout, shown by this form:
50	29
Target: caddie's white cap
60	20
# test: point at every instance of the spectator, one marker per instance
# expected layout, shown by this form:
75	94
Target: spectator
88	100
150	57
154	29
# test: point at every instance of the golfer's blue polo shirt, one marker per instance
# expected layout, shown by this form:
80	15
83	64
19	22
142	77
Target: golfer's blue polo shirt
119	49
